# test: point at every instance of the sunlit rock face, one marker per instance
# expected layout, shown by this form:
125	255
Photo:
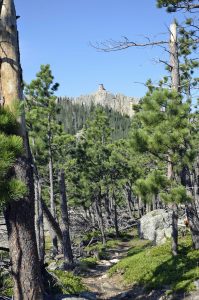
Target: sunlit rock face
118	102
156	226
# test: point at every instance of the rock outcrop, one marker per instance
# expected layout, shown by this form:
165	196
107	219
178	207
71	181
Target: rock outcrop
119	102
156	226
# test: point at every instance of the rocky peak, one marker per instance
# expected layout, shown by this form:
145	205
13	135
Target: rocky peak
117	102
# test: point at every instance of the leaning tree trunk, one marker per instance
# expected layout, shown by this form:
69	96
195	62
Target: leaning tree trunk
68	255
19	214
52	222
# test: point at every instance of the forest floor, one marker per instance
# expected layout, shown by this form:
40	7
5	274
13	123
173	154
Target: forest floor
104	286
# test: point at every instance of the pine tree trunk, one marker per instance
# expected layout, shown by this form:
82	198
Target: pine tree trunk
175	84
39	222
68	255
129	200
107	209
117	233
52	202
193	224
19	215
174	208
174	61
140	207
154	202
174	235
52	222
100	219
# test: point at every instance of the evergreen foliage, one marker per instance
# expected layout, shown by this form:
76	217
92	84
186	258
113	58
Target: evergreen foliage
74	115
164	128
11	147
174	5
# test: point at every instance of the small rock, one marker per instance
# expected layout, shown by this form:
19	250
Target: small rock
105	263
59	256
52	266
124	295
88	295
114	260
196	283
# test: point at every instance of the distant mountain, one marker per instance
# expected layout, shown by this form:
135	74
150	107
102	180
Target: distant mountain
74	112
118	102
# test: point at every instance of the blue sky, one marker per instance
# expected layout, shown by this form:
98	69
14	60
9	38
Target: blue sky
59	32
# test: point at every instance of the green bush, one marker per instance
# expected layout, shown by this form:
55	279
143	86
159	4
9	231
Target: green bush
88	263
6	284
67	283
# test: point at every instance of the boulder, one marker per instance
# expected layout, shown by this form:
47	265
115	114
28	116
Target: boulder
156	226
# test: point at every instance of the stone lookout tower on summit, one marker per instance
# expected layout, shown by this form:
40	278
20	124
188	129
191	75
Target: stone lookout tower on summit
101	87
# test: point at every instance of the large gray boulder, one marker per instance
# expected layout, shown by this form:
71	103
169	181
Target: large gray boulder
156	226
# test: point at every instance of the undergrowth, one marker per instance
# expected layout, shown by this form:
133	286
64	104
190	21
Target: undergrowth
6	284
67	283
155	267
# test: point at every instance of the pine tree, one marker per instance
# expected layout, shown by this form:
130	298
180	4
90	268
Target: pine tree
19	211
164	129
41	105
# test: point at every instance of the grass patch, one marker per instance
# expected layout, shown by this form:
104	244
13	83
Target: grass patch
88	263
66	283
48	243
155	268
6	284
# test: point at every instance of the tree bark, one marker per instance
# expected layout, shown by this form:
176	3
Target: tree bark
174	61
100	218
174	234
67	249
39	222
129	200
52	202
174	208
117	233
107	210
175	84
52	222
19	215
193	224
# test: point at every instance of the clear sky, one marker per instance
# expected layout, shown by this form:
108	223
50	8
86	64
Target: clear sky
58	33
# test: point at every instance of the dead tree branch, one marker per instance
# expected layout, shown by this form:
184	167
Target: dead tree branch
112	45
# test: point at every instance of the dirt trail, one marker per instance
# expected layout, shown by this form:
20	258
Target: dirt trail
112	288
98	281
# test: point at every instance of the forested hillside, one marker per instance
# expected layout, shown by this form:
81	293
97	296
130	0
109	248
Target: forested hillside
99	194
73	116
